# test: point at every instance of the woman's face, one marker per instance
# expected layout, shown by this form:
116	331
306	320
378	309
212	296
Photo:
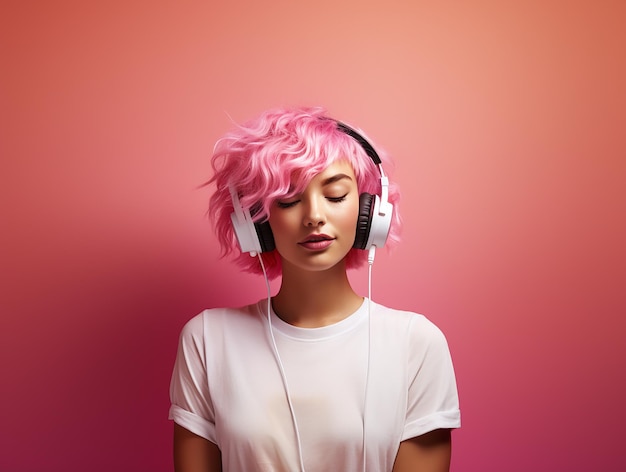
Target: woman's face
315	230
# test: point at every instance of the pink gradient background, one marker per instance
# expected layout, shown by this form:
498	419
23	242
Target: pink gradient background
507	127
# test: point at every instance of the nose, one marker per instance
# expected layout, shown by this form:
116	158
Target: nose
314	214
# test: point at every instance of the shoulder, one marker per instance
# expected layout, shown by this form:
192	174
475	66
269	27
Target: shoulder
218	319
205	337
414	325
412	335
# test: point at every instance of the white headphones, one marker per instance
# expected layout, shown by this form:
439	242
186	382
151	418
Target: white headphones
373	224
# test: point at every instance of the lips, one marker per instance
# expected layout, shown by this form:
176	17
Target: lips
317	242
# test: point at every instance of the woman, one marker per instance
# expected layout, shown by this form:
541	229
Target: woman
315	378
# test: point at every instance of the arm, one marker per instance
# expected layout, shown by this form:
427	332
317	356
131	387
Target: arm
429	452
193	453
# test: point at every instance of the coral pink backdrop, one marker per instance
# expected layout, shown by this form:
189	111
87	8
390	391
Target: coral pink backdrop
506	121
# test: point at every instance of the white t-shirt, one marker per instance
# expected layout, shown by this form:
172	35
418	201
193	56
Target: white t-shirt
227	387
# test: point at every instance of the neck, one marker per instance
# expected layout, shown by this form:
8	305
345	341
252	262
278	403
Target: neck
315	299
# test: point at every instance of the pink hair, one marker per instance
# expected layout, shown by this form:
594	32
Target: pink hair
275	156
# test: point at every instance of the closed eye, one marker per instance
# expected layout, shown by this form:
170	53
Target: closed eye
286	204
337	199
283	205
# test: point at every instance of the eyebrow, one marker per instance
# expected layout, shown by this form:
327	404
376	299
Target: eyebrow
335	178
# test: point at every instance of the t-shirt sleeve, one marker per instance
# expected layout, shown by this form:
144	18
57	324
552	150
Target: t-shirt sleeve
191	405
433	401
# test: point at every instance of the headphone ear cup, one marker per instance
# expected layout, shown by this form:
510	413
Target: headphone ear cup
364	221
244	232
266	237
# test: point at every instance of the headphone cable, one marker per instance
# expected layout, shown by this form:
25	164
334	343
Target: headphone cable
370	263
281	367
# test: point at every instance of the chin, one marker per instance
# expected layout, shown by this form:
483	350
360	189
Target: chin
317	264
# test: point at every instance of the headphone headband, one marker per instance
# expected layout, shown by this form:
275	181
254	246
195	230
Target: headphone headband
367	147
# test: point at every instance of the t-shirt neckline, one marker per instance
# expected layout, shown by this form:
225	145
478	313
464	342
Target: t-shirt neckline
316	334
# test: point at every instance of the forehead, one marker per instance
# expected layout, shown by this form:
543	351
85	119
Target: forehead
338	170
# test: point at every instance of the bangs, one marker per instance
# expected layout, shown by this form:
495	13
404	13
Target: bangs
300	171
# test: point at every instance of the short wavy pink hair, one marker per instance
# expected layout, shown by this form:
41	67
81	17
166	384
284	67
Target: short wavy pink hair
275	156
